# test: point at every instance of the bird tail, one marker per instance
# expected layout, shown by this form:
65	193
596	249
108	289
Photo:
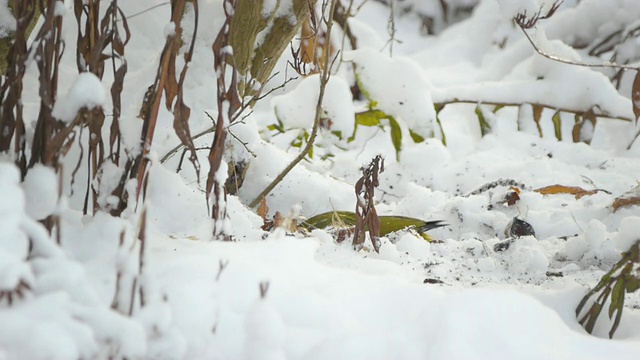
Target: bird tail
430	225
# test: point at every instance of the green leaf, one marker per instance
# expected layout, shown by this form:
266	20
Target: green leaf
619	307
298	141
616	295
279	127
416	138
616	322
632	284
594	312
485	128
396	136
370	117
367	118
444	138
557	125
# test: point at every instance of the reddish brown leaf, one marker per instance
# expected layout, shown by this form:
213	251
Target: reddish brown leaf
512	196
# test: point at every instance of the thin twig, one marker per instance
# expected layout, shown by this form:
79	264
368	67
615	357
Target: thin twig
246	104
324	79
608	65
391	28
147	10
516	104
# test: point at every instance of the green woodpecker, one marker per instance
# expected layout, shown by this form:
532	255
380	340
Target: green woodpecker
388	224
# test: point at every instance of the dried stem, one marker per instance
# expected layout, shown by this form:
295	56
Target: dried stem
142	232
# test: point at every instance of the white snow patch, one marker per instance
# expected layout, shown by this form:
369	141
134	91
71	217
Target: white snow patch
86	92
297	109
40	187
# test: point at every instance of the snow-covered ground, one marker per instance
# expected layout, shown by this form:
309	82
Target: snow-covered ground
288	296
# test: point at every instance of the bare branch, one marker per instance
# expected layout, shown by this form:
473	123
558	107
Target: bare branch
525	22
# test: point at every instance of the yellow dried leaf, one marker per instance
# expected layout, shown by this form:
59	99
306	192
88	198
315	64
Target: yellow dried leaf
576	191
314	44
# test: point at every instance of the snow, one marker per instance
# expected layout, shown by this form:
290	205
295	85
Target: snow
40	188
510	8
61	9
474	293
170	29
86	92
627	234
337	105
397	88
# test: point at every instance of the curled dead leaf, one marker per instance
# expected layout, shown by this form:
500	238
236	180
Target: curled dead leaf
512	196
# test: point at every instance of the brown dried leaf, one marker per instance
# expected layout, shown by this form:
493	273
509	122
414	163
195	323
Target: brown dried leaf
116	91
635	95
227	97
578	192
263	209
512	196
366	214
277	219
313	44
630	198
181	111
537	115
580	120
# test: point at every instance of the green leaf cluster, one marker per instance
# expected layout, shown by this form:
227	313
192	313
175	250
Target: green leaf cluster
373	117
615	284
